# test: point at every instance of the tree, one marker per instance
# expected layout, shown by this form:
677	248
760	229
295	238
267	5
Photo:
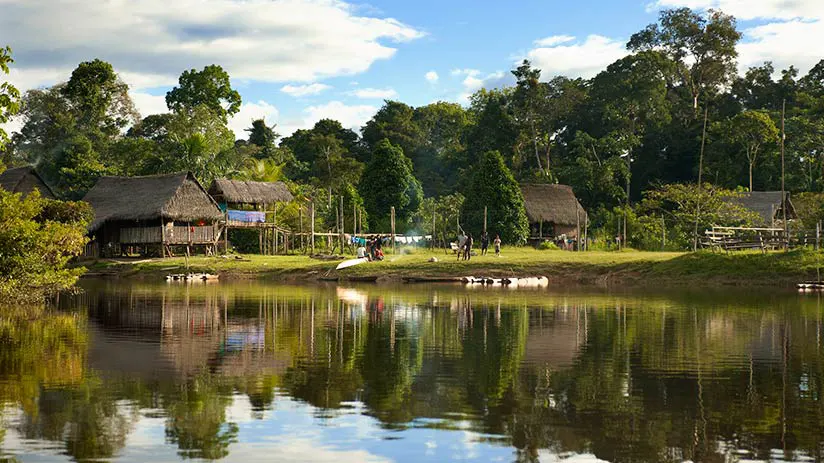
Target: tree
394	122
493	186
529	101
750	131
264	137
85	115
37	239
387	182
703	49
210	87
9	96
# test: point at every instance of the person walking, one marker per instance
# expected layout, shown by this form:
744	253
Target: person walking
484	243
468	249
497	244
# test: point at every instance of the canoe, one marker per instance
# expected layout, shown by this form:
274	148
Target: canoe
351	263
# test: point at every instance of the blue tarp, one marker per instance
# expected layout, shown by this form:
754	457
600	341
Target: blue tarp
247	216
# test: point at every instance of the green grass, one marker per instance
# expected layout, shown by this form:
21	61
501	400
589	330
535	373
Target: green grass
630	267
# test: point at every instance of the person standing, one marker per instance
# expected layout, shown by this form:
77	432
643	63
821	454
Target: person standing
497	244
468	249
484	243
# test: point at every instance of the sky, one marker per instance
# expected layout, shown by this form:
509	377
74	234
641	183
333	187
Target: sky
297	61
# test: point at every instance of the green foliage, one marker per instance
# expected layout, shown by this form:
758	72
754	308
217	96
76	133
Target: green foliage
37	239
210	88
548	246
9	95
387	182
493	186
682	205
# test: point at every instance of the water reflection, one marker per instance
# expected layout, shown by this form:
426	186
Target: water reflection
248	371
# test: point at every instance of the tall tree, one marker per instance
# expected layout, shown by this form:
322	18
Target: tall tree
702	48
210	87
750	131
9	95
493	186
387	182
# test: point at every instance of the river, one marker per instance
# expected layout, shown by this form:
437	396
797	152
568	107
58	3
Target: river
250	371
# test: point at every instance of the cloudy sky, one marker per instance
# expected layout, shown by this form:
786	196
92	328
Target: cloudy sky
296	61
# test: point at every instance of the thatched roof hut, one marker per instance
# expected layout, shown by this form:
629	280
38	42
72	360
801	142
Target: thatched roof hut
25	180
767	204
177	197
554	204
248	192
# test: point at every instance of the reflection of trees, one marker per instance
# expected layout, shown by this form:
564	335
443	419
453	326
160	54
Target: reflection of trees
197	419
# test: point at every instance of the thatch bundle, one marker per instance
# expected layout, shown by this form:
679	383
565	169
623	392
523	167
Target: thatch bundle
24	180
248	192
552	203
173	197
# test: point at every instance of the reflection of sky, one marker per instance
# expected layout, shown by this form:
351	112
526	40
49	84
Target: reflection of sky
291	432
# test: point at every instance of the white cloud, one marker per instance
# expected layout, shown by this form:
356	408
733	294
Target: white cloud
554	40
753	9
304	90
374	93
475	81
147	104
432	77
576	59
150	42
797	43
248	113
350	116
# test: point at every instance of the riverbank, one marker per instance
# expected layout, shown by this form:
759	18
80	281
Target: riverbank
776	269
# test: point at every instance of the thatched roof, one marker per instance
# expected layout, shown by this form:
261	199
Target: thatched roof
767	204
173	196
25	180
552	203
248	192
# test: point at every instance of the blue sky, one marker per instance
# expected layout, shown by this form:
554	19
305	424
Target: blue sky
296	61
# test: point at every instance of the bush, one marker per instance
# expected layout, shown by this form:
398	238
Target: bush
548	246
37	239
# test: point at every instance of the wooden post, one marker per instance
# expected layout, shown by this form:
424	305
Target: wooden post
577	229
432	244
226	233
312	226
342	226
485	219
392	212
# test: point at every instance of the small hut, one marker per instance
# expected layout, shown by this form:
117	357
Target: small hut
552	210
25	180
156	211
246	205
768	205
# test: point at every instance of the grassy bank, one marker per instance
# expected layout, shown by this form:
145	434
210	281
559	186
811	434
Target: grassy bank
633	268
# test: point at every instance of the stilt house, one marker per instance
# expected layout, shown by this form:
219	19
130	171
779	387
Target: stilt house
552	210
248	204
153	212
25	180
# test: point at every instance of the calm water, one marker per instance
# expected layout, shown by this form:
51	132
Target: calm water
251	372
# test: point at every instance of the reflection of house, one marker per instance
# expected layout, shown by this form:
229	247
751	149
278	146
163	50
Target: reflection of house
24	180
552	210
152	211
768	205
556	341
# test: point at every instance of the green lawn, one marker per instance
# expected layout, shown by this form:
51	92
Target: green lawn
631	267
